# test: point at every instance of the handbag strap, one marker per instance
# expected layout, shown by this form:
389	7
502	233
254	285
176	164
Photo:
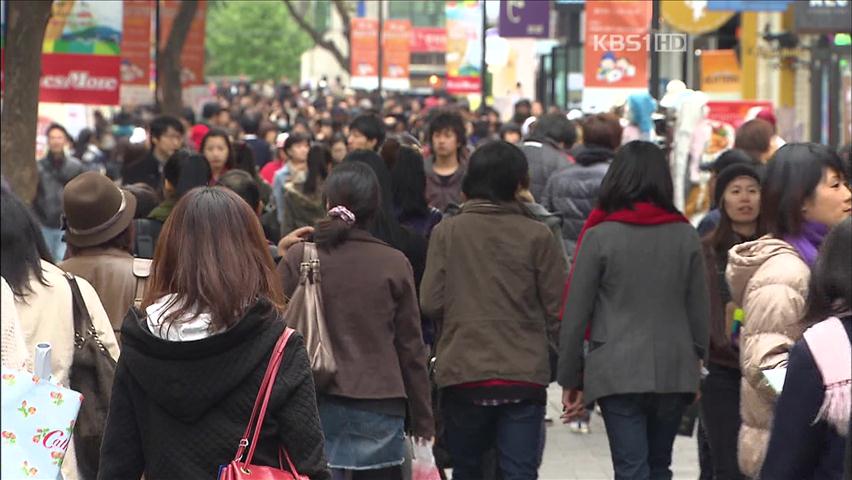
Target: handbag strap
262	401
309	269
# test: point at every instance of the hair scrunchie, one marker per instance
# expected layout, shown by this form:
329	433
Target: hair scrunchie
342	213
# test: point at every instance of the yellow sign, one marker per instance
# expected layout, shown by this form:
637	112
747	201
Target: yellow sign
692	16
720	72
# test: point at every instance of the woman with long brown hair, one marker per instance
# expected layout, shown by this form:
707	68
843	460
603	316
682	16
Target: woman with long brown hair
197	350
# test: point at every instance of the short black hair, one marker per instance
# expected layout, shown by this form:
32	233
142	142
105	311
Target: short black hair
188	114
185	171
319	158
295	138
244	185
161	124
57	126
791	177
408	179
638	173
448	120
371	126
210	110
556	127
495	171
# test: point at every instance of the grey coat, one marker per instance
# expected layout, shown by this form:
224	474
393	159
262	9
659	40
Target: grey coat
571	194
52	178
643	291
544	160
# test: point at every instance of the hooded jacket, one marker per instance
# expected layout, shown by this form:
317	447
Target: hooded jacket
301	209
544	159
572	193
769	279
179	408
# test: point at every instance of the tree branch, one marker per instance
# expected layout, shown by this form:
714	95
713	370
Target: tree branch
345	18
317	37
169	63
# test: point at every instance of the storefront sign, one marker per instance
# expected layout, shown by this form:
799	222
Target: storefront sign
428	40
80	53
720	74
616	51
822	16
136	58
693	17
735	111
464	46
524	18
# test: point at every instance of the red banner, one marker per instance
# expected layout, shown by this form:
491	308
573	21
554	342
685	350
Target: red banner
396	38
429	40
734	111
192	56
71	78
136	42
617	44
364	59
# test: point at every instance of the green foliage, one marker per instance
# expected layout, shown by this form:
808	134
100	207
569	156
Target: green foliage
254	38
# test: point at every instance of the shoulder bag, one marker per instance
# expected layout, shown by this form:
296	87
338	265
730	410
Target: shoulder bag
305	314
242	469
91	374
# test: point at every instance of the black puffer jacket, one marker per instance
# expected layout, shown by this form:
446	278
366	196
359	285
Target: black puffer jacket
544	159
178	409
572	193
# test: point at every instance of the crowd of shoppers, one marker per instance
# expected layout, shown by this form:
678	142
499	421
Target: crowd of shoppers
463	265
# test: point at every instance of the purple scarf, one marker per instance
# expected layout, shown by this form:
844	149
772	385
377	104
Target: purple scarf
807	243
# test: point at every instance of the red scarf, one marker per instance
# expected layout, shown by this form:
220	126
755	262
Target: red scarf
643	213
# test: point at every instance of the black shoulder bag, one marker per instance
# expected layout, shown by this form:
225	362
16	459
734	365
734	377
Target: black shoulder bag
92	372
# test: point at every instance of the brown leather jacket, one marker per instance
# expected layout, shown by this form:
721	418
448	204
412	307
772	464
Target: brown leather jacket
118	278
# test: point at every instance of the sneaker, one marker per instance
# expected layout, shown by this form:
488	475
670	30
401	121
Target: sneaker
583	428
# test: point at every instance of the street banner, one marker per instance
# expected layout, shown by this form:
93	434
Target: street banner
524	18
822	17
192	55
748	5
693	17
136	53
364	56
396	59
428	40
720	74
81	53
616	50
464	46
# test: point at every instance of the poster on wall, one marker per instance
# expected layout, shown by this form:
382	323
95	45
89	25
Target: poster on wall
720	74
364	59
616	52
464	46
81	53
396	39
136	53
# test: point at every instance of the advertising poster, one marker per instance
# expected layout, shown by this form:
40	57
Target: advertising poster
464	46
734	111
524	18
616	51
396	38
192	56
720	74
428	40
136	53
81	53
364	57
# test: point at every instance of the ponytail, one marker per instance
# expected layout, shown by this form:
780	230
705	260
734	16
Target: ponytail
331	232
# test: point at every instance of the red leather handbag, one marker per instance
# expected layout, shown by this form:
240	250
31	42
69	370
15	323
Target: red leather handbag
240	469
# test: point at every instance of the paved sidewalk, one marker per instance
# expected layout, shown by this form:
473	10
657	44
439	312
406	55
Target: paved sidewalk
569	456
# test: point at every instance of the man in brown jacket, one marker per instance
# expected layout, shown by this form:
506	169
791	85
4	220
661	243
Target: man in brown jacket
99	233
493	283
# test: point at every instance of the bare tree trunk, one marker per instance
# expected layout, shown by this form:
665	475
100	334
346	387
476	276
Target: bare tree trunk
319	37
27	22
169	61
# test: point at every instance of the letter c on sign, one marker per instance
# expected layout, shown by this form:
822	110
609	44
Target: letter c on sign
511	7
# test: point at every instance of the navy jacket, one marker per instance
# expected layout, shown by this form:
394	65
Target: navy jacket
797	449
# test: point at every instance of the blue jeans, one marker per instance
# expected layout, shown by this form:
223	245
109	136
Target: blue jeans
514	429
641	428
55	245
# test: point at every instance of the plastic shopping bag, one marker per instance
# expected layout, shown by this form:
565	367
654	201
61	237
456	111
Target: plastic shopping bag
423	462
37	423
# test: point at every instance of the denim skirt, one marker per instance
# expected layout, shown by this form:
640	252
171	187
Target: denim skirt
357	439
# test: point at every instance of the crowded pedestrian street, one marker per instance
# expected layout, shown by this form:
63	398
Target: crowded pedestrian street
426	240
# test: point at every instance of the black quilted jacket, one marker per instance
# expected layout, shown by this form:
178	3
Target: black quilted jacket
179	409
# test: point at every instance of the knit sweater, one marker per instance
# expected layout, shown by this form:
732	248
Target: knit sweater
179	409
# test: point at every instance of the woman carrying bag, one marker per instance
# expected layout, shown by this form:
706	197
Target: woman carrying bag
196	354
372	326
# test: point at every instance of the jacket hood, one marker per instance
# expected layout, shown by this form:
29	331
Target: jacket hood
746	258
295	191
591	154
188	378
